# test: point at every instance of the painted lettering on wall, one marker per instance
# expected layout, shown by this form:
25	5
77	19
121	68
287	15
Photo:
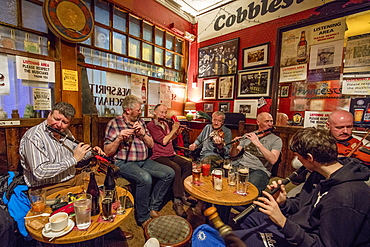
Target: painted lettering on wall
118	93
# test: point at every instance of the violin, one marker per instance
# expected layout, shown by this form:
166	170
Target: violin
218	132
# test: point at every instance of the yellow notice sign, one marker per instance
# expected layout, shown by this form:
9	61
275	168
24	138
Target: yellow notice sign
70	80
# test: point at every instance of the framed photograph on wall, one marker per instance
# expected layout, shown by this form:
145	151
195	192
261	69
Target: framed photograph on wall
219	59
284	91
226	87
247	107
224	106
254	83
256	55
209	88
208	107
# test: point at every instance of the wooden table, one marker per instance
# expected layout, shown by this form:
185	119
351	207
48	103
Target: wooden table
223	199
227	196
96	229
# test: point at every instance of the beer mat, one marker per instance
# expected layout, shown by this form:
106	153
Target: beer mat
100	219
76	229
241	195
197	183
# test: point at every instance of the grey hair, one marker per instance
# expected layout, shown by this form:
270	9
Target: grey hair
64	108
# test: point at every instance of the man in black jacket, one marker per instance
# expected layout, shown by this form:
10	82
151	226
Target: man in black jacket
333	208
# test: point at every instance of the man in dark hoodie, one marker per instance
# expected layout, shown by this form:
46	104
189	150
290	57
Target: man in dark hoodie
333	208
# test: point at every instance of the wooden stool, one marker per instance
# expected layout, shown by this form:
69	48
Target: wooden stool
170	230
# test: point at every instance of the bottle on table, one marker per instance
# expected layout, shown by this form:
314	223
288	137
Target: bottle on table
93	190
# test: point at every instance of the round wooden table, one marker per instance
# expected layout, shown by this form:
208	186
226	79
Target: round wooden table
227	196
96	229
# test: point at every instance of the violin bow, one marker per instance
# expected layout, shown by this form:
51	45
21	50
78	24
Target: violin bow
358	144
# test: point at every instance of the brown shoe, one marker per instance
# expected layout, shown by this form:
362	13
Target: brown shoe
145	223
127	235
154	213
179	209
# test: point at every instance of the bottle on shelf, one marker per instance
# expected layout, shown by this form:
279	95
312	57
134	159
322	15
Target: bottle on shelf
93	190
302	49
143	92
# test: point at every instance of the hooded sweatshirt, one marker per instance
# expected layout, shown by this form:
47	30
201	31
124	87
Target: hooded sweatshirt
331	212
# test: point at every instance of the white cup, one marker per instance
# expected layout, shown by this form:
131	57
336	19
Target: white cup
57	222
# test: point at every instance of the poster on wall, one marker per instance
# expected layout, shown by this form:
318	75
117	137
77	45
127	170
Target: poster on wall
315	119
35	69
295	47
325	61
165	94
4	76
139	85
318	96
360	108
41	98
356	86
328	31
357	56
70	80
293	73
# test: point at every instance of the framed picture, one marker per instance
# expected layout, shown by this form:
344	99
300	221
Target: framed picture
254	83
225	87
209	88
284	91
219	59
208	107
247	107
256	55
224	106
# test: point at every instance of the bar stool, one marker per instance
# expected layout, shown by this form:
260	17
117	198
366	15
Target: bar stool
170	230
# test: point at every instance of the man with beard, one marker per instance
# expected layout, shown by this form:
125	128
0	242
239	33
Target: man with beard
261	151
340	124
212	138
128	139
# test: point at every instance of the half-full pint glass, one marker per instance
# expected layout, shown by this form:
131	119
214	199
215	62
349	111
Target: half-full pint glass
83	211
242	178
196	170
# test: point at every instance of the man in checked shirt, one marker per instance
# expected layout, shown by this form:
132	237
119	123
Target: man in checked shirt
128	139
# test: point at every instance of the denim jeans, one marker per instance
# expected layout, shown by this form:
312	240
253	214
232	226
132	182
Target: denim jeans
141	172
259	178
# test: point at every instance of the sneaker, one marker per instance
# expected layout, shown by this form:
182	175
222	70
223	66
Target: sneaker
179	209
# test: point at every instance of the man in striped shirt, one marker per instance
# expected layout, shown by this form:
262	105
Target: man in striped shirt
49	159
128	139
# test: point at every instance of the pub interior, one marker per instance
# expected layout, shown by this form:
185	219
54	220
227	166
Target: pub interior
299	61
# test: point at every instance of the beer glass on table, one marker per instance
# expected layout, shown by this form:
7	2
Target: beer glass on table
242	178
38	200
196	170
107	202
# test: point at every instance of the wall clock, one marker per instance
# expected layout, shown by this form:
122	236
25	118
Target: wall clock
69	19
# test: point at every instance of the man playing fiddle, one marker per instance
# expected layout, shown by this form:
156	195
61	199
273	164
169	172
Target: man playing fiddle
128	139
164	153
261	151
212	138
340	124
49	159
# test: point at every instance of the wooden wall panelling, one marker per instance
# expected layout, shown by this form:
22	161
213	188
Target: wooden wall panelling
3	156
86	123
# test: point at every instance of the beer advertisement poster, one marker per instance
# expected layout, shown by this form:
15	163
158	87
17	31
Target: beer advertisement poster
295	47
360	108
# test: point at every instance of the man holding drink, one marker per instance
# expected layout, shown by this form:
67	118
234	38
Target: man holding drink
127	138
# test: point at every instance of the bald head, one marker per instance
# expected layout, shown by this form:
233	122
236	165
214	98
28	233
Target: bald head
264	121
340	124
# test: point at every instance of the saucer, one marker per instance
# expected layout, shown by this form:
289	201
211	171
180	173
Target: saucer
53	234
